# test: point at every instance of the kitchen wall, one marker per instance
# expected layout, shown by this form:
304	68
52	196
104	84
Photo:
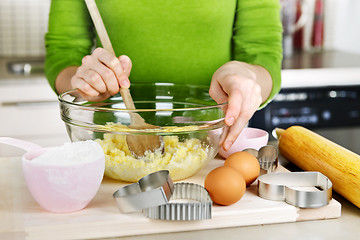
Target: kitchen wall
23	24
342	29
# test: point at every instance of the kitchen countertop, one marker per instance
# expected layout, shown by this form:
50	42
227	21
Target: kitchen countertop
300	60
345	227
323	59
321	77
320	69
20	70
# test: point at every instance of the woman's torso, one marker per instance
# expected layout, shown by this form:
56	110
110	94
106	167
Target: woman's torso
171	41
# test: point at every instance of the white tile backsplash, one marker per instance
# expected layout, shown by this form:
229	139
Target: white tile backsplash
23	24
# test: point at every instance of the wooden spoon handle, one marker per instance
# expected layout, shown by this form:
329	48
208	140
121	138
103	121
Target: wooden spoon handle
105	41
99	25
125	94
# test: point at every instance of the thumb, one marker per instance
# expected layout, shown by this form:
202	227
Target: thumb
126	64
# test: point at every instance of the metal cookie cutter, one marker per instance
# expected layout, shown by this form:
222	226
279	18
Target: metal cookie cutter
285	187
267	157
152	190
189	202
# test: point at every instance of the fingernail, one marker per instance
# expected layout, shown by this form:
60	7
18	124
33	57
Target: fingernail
227	145
125	83
230	121
94	93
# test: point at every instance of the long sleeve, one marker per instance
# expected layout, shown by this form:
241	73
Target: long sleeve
181	41
257	37
69	36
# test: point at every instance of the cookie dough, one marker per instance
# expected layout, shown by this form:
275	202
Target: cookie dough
181	158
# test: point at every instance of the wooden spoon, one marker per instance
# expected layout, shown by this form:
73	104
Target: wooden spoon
138	144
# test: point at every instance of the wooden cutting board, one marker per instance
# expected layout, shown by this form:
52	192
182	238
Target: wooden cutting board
22	218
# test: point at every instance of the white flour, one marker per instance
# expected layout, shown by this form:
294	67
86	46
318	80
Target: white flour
71	153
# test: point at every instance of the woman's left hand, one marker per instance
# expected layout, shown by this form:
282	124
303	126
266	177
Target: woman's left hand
235	82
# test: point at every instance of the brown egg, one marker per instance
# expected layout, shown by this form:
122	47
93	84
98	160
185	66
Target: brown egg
246	164
225	185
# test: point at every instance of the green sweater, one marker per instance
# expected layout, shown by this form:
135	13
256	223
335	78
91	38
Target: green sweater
180	41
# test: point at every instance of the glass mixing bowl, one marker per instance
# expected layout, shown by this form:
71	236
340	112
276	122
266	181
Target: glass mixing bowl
189	123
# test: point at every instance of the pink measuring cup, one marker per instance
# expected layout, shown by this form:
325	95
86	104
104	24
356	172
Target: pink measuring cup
59	188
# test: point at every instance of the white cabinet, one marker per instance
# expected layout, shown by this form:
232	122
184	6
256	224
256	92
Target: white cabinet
29	110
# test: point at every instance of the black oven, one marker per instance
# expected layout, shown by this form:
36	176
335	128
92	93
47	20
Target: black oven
333	112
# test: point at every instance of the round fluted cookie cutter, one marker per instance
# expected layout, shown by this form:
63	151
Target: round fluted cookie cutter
284	186
152	190
189	202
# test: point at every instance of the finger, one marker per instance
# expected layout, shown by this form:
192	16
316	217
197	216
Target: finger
248	107
108	77
251	102
87	71
110	61
84	87
257	95
93	78
217	93
234	106
243	99
223	135
98	98
126	64
233	133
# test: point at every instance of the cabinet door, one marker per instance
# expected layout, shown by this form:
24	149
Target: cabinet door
30	111
31	119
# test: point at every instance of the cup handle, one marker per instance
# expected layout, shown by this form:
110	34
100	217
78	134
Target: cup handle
25	145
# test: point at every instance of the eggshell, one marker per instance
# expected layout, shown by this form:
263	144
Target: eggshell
225	185
246	164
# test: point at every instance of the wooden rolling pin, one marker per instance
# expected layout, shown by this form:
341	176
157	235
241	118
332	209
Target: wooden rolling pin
312	152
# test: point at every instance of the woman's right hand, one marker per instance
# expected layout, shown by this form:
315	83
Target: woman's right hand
101	75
